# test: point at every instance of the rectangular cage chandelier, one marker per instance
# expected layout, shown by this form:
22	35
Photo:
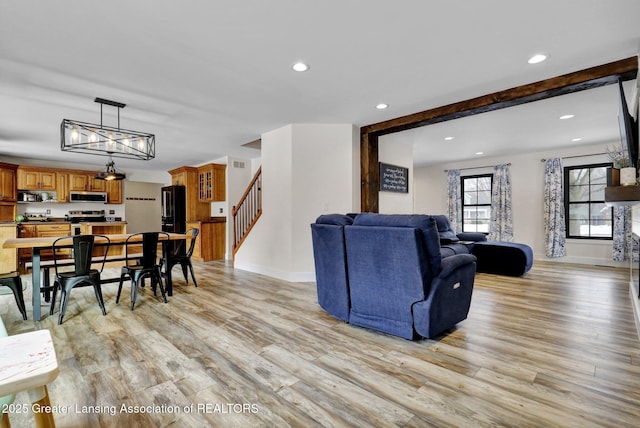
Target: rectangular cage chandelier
91	138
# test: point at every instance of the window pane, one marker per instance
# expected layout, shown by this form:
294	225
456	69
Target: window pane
470	184
470	198
578	176
484	197
484	183
579	212
597	192
578	228
579	193
482	226
599	175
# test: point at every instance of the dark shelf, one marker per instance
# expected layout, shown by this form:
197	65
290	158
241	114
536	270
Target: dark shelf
622	195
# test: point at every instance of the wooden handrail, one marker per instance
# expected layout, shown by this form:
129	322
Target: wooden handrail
247	211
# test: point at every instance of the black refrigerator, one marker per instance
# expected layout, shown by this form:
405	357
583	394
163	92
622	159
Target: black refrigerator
174	207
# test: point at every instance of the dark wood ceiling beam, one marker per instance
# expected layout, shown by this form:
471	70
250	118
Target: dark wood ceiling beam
625	69
593	77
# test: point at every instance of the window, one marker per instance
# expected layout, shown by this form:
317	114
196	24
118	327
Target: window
586	213
476	203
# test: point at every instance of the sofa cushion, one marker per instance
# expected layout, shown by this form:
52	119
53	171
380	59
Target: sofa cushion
426	224
447	235
335	219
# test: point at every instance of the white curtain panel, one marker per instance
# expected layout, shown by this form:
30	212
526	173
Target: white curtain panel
501	226
454	201
554	222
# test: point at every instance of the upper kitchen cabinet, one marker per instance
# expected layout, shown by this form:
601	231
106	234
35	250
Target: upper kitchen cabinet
36	178
114	192
188	176
212	183
62	186
8	191
85	181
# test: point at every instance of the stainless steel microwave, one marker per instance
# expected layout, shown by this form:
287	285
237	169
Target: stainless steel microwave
99	197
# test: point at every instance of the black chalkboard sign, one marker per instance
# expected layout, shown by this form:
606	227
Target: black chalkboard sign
394	178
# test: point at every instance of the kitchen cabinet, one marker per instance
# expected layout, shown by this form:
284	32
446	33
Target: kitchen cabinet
8	256
114	192
8	192
33	178
187	176
211	241
105	228
8	211
84	181
212	183
62	187
38	230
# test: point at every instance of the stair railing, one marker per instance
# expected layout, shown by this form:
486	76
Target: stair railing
247	211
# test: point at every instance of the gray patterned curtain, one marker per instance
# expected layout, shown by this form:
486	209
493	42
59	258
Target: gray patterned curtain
554	224
501	226
621	233
454	202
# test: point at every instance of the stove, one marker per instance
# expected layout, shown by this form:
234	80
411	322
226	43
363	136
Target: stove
80	216
86	216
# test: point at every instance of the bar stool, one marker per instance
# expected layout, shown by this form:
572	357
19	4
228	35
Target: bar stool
13	281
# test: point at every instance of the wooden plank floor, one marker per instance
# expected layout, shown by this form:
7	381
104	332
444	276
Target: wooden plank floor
557	347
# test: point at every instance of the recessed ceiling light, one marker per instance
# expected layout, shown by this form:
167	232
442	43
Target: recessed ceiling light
382	106
566	116
537	58
300	66
479	153
576	139
449	138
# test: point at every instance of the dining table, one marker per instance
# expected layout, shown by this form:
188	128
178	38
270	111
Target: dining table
46	243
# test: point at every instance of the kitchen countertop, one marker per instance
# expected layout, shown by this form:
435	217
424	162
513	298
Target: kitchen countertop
92	223
211	220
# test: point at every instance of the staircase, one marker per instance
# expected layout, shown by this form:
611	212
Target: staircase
248	210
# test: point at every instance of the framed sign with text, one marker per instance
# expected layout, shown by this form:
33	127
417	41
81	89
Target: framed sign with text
394	178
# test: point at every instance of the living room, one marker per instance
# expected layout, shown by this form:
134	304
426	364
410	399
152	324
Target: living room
250	346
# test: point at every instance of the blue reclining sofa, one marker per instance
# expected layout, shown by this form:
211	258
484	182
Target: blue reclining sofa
387	273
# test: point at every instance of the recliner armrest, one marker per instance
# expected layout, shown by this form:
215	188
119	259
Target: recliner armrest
452	263
472	236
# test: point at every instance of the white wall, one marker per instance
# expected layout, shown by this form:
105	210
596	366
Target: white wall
393	151
142	202
527	177
307	170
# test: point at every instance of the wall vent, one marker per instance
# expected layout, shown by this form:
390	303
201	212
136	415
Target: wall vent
238	164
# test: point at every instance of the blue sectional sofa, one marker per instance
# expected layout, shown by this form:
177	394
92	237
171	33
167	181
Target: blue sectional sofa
386	272
502	258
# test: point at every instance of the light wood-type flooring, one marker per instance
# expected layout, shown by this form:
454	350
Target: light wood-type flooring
557	347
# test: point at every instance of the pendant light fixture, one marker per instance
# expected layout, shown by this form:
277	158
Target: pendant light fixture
91	138
111	174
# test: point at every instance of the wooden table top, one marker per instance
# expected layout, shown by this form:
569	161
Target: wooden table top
47	242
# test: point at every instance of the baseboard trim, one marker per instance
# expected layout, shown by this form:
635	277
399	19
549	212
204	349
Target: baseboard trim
276	273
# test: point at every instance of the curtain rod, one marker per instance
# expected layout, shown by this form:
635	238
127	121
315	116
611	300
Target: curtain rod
476	167
577	156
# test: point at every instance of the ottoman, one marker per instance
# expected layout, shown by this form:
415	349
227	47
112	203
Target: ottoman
503	258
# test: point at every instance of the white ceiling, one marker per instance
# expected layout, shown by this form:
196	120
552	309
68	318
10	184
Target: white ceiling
209	76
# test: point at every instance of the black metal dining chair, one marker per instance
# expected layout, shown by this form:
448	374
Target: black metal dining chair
82	275
181	257
137	267
13	281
